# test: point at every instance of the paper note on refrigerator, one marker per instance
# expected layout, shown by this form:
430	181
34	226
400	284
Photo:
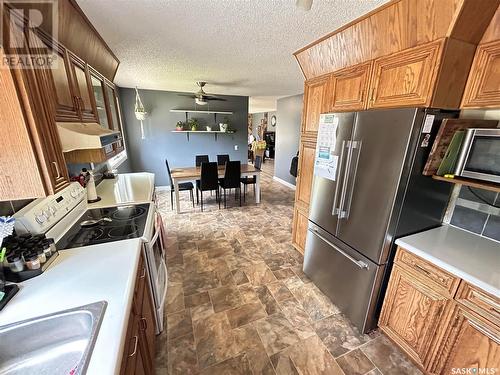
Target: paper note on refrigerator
325	164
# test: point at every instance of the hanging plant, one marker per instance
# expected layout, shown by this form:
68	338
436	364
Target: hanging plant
140	112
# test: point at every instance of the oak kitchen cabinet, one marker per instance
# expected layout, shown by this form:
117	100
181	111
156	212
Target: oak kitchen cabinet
138	354
82	88
348	88
483	86
439	320
315	92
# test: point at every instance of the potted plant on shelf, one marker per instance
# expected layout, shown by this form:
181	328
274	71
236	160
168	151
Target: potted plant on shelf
179	126
193	124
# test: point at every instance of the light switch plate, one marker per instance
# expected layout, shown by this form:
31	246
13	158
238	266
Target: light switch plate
235	147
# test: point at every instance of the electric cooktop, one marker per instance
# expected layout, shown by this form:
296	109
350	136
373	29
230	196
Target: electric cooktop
101	225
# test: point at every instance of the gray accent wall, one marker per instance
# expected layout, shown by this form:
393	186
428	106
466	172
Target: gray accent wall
148	155
288	120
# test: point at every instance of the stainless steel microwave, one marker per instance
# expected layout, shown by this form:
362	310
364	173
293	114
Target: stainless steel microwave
479	155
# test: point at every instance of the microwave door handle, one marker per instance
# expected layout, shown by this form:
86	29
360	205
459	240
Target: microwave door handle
355	145
335	209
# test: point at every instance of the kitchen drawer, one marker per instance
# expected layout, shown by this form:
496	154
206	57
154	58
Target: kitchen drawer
428	270
479	301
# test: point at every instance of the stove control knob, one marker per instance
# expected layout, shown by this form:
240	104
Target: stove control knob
52	210
46	212
40	218
74	193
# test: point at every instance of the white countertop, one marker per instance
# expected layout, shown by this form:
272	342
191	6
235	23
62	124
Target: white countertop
125	188
81	276
473	258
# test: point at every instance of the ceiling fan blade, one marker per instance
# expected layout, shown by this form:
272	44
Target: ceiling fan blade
208	97
188	95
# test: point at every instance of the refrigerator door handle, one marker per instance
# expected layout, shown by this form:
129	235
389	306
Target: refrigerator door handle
355	145
335	209
358	263
342	213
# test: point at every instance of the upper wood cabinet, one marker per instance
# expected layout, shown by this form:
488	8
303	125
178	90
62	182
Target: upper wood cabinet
82	88
483	85
98	88
315	102
469	342
405	78
348	88
412	313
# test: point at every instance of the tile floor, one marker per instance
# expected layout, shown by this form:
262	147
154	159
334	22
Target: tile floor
238	302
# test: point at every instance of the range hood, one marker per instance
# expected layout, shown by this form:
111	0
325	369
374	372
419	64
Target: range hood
85	136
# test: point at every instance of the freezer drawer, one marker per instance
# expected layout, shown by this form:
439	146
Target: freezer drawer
344	275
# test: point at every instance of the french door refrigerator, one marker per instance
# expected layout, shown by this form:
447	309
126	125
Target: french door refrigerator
376	193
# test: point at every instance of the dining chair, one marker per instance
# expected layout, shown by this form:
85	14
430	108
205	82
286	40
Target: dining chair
231	180
222	159
201	159
209	180
183	186
251	180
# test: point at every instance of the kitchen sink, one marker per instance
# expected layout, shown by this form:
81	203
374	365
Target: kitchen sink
58	343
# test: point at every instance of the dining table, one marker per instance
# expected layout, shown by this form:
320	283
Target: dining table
191	174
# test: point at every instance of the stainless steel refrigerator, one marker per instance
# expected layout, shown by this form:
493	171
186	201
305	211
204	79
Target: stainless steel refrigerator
378	193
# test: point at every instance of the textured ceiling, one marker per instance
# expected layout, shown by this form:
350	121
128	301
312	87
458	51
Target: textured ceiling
241	47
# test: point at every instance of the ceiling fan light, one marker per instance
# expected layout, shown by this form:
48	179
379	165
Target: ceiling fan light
304	4
200	101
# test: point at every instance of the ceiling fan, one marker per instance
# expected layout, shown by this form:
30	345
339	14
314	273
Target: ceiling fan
304	4
201	97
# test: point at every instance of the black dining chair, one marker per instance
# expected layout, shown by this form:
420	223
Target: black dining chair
231	180
183	186
201	159
222	159
251	180
209	181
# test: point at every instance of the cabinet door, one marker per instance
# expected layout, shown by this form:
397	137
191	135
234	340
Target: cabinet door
82	87
315	102
98	89
412	313
305	173
63	94
406	78
114	117
348	88
483	86
300	224
470	342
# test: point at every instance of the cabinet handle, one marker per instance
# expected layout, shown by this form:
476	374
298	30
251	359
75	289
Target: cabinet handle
372	96
57	169
485	332
77	103
143	274
135	346
144	324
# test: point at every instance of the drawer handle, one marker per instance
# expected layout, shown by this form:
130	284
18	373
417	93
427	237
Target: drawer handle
485	332
486	300
135	346
427	272
144	324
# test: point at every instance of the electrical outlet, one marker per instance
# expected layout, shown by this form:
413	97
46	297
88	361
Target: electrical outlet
235	147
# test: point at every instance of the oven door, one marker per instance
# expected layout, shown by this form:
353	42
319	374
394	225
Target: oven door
157	267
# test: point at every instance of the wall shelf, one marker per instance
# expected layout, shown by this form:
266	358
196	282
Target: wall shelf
491	186
200	111
214	132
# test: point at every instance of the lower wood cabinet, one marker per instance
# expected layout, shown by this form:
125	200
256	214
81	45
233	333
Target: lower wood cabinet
412	313
442	327
468	342
299	230
138	354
